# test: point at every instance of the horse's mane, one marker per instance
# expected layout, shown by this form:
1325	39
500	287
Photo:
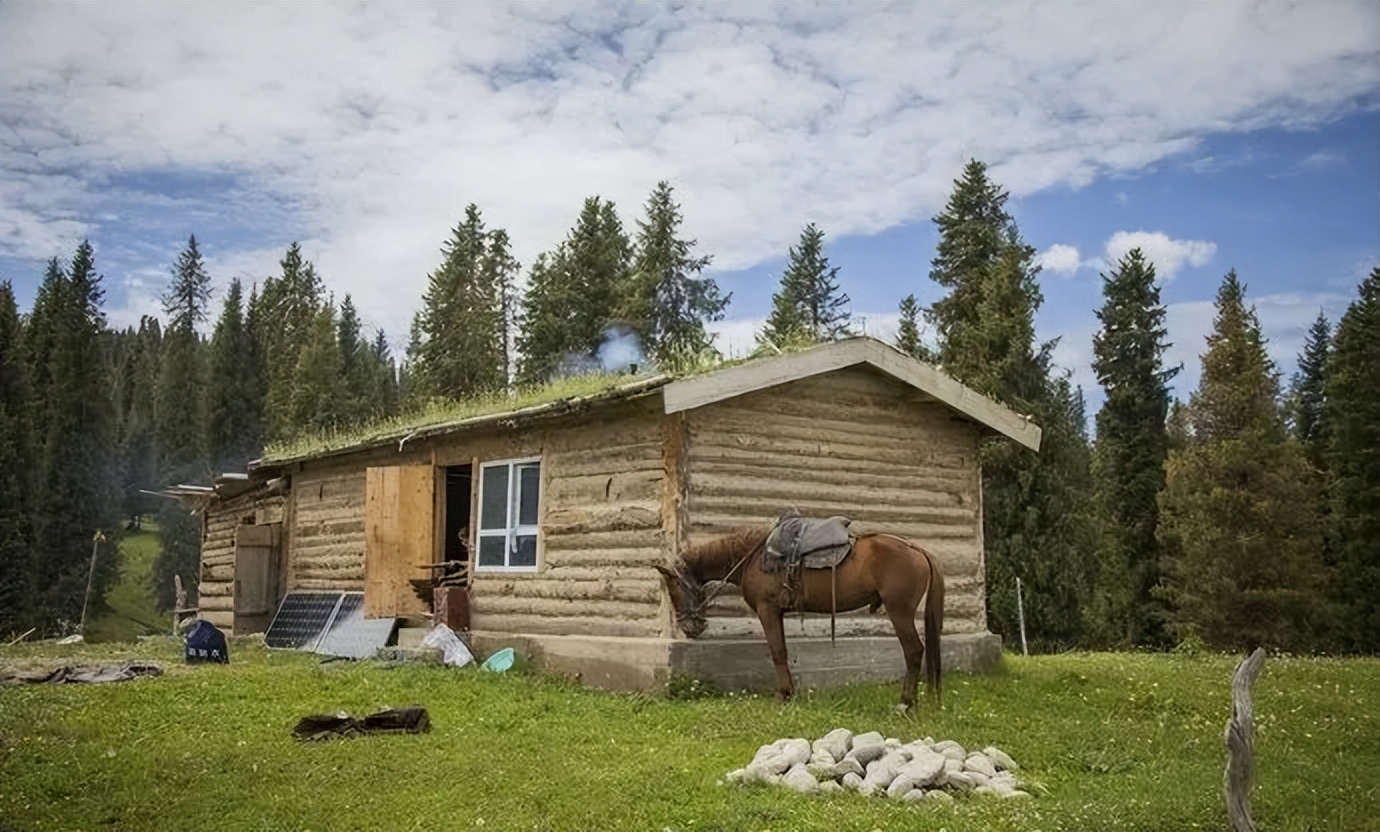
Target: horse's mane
727	548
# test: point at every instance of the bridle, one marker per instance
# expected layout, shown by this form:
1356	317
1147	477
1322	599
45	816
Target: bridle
724	581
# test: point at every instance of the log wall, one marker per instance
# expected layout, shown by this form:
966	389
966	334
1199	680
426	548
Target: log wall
216	587
851	442
601	522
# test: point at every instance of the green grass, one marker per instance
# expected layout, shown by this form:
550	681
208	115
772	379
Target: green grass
129	610
1106	741
444	412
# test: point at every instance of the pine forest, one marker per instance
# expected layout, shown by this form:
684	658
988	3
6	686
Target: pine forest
1243	513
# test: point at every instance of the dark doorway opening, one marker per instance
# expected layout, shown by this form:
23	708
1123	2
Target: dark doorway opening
458	533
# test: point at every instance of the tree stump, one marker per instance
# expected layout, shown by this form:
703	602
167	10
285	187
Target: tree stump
1240	738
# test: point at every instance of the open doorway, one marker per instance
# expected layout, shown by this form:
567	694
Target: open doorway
458	535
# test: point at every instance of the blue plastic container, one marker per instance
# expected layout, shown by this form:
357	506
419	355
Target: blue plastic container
500	661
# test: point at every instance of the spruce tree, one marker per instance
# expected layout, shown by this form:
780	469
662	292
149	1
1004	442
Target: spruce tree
77	493
460	328
16	469
1308	394
235	407
501	270
807	308
908	331
284	320
546	335
386	395
1353	461
355	376
1132	444
670	301
181	423
181	396
1239	524
1036	512
139	426
574	294
317	395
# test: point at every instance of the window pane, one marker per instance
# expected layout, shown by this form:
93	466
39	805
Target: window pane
491	550
493	512
526	554
529	491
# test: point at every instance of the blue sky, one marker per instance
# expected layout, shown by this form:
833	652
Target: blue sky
1215	136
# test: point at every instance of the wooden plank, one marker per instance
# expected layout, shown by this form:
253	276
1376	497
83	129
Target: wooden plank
399	531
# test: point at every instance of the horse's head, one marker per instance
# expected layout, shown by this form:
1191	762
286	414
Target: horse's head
687	596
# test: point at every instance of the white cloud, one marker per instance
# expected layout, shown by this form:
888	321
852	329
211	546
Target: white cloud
1322	159
1060	258
364	130
1168	255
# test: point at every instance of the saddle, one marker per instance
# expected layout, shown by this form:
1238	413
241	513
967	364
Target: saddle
797	542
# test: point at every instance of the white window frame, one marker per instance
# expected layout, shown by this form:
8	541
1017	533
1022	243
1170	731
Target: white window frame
513	529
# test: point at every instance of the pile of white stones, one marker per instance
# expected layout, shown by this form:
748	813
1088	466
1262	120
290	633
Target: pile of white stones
871	764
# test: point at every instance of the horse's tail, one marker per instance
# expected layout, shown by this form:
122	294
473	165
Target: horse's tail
934	625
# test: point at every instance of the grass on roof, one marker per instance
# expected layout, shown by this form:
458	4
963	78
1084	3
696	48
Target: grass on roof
449	411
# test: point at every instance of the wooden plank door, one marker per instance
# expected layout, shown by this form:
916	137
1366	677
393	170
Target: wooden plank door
256	576
399	538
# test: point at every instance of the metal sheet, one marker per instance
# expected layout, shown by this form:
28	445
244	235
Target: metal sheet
301	619
350	635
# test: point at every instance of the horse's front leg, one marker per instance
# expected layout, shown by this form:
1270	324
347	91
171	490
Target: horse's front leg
775	632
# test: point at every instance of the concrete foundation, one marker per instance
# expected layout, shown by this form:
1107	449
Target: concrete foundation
615	663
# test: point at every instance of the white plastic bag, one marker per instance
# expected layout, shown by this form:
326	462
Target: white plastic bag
453	650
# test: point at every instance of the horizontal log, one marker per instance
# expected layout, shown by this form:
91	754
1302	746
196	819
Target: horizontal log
585	519
217	572
855	474
764	484
735	423
626	557
600	573
481	599
604	488
764	450
757	508
320	585
566	540
215	603
208	589
563	625
641	591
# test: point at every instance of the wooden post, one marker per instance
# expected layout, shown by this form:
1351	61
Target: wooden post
90	578
1020	614
180	596
1240	738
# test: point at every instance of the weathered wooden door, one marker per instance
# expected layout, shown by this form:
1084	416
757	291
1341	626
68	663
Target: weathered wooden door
256	576
399	538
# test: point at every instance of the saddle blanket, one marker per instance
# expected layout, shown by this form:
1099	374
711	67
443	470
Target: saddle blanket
806	541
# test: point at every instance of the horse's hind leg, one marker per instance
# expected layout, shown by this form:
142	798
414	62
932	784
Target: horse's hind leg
903	620
773	629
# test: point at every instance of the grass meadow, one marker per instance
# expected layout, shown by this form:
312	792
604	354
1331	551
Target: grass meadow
1104	741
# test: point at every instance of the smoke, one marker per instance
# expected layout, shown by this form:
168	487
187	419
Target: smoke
619	352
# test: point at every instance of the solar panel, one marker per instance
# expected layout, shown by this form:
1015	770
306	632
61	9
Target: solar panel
301	619
350	635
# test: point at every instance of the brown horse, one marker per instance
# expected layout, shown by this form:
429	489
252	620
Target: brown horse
882	570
